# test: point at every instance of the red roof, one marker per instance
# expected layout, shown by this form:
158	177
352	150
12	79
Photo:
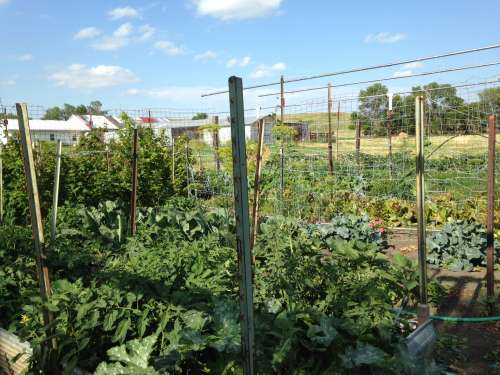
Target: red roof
149	120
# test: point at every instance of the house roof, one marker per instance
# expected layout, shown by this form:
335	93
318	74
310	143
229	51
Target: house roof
98	121
50	125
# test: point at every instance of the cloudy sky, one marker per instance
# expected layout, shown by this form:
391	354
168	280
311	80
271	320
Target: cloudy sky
136	54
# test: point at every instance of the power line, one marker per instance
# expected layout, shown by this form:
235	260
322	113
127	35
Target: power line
354	70
388	78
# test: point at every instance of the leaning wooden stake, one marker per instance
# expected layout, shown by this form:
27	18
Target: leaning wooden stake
242	222
55	191
256	192
330	147
490	249
423	307
36	220
133	195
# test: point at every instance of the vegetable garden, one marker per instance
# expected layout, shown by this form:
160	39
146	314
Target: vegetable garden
327	296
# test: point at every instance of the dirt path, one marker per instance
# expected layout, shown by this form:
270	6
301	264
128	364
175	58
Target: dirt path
467	348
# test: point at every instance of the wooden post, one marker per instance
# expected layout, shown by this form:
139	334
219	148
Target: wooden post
187	169
242	223
282	150
256	192
330	146
490	249
36	220
337	134
282	100
55	191
216	141
358	138
423	307
133	196
173	162
389	140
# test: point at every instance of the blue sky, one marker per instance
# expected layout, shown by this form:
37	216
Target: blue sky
136	54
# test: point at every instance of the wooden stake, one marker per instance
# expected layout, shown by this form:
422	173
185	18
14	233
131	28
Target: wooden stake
133	195
337	134
490	249
358	138
55	191
216	141
1	183
36	220
330	146
242	223
256	192
389	140
423	307
282	100
173	163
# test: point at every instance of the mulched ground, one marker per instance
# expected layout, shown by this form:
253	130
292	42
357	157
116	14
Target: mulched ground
467	348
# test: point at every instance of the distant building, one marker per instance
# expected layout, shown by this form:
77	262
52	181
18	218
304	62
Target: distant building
69	132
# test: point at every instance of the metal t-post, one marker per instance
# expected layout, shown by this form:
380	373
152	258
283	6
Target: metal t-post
490	249
423	307
242	222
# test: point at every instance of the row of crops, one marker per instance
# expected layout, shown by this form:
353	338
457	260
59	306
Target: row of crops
166	300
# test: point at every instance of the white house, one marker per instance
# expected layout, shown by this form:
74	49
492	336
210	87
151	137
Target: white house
69	132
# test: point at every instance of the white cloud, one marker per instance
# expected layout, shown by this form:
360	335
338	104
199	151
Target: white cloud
169	48
145	32
384	38
236	9
267	71
414	65
205	56
123	31
403	73
244	61
3	2
87	33
118	13
124	35
80	76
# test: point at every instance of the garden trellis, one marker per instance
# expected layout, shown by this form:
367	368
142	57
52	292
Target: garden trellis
333	154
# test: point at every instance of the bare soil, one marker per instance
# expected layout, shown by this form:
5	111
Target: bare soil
466	348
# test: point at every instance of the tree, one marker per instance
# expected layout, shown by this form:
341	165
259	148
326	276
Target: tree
373	104
490	100
95	108
54	113
200	116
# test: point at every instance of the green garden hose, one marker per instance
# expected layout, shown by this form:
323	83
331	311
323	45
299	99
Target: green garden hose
458	319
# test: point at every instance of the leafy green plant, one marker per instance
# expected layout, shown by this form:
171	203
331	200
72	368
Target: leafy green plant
459	246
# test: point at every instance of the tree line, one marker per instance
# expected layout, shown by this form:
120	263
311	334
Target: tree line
446	111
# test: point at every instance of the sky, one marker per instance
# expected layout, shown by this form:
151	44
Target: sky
164	54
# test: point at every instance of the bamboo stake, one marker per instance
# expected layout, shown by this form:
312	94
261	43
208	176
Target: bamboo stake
490	249
256	193
55	194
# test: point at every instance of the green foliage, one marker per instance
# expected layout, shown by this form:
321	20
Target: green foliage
459	246
200	116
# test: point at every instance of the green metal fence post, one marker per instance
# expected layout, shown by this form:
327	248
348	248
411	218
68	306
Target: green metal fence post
242	222
423	307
